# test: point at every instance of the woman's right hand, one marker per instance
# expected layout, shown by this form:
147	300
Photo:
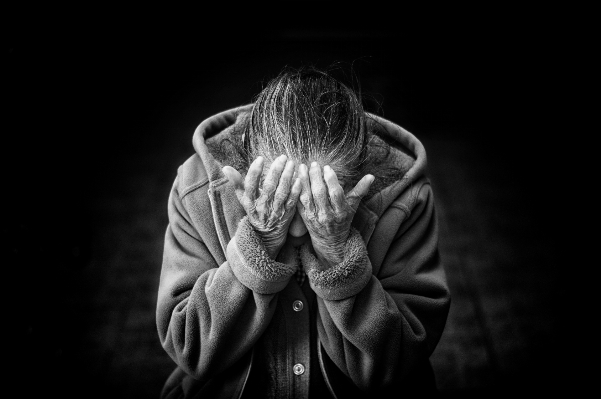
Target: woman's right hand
270	208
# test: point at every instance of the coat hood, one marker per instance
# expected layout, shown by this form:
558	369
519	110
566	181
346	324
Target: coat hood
218	142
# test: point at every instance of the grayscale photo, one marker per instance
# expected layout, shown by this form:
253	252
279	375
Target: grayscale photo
315	203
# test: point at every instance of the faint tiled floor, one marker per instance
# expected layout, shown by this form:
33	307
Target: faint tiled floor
499	326
501	271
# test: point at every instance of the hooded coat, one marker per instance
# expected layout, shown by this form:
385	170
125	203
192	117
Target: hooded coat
238	323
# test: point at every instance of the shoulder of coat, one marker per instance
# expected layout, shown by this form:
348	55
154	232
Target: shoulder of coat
192	175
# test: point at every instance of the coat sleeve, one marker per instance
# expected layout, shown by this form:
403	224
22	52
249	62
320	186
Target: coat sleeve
209	315
376	329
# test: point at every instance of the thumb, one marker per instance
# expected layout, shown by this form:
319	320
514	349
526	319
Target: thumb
235	179
358	192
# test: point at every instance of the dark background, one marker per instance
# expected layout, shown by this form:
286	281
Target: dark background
100	111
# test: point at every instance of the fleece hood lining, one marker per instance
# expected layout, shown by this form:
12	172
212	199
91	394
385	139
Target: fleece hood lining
218	142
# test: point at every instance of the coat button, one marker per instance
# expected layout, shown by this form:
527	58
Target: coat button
298	369
297	305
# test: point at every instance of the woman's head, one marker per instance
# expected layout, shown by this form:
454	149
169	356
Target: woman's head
311	117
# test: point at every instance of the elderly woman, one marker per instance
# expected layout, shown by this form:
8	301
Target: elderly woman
301	254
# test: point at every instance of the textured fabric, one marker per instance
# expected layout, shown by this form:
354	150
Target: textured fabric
254	268
343	280
377	316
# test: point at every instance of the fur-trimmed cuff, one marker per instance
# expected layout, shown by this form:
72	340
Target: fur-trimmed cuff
252	265
343	280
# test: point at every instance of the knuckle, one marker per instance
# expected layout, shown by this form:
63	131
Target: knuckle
319	193
280	196
341	217
260	208
321	201
272	221
305	198
337	192
248	204
352	199
269	186
316	182
355	200
276	207
324	216
290	199
311	217
284	185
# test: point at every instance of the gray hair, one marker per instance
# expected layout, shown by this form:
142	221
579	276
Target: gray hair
309	116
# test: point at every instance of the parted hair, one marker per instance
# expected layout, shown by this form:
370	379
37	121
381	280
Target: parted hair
309	116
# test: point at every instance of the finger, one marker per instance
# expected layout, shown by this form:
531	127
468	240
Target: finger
294	195
234	177
253	177
318	188
335	191
306	197
354	196
283	190
278	208
273	178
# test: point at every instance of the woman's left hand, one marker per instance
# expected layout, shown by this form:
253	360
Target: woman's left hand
327	211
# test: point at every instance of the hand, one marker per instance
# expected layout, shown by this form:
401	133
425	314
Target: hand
327	211
271	208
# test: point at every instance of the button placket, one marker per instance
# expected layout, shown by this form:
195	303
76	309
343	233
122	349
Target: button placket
298	352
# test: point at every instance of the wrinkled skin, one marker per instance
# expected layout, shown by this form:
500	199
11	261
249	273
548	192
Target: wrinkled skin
327	211
315	200
269	208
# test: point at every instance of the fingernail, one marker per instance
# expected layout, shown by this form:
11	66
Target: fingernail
314	164
302	168
327	166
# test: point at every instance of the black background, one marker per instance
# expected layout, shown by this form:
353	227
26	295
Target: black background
85	88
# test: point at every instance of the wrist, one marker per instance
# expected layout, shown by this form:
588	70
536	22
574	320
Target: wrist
329	255
273	251
272	245
252	264
346	278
